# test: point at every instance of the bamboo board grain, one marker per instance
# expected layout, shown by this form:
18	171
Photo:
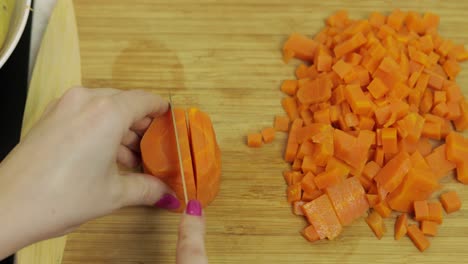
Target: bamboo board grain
57	68
224	57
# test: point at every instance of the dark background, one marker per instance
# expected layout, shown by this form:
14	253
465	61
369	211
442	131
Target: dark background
14	85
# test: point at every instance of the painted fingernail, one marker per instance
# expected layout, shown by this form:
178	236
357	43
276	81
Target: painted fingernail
168	201
194	208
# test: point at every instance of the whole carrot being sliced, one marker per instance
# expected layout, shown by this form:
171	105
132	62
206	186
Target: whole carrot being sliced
322	216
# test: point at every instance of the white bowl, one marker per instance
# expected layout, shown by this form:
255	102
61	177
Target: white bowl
19	17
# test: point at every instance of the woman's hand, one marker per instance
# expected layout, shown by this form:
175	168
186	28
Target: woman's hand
191	242
65	172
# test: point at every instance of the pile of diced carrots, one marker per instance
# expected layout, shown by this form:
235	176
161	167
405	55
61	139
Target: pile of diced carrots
372	120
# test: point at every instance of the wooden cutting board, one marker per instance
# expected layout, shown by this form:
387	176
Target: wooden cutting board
224	57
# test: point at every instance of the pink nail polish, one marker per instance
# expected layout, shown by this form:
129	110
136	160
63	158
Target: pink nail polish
168	201
194	208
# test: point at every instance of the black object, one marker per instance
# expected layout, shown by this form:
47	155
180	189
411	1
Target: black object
14	87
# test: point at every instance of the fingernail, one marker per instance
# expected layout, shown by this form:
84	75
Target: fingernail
194	208
168	201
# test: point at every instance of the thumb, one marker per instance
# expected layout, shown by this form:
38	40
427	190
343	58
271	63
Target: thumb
143	189
191	242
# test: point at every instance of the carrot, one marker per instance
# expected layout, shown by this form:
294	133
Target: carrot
421	210
297	208
401	226
294	192
376	101
310	234
371	170
300	47
254	140
418	238
383	209
375	222
392	174
418	184
429	228
322	216
281	123
348	199
290	106
450	201
438	162
268	134
435	212
160	159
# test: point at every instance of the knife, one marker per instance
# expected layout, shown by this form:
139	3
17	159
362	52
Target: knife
179	154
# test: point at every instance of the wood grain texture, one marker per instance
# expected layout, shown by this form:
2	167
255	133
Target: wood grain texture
57	68
224	57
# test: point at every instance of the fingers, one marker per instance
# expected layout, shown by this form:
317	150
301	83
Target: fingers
142	189
191	242
132	141
127	158
134	105
51	106
141	126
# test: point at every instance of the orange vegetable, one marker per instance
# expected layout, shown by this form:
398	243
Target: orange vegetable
435	212
349	200
375	222
401	226
418	185
371	170
290	106
392	174
421	210
429	228
450	201
297	207
418	238
322	216
370	101
383	209
199	150
281	123
438	162
389	140
254	140
310	234
300	47
294	192
268	134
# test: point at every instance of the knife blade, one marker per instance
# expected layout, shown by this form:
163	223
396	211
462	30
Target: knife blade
179	154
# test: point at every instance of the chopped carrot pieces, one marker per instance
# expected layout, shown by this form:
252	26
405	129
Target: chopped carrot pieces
282	123
450	201
421	210
268	134
418	238
254	140
435	212
401	226
310	234
429	228
375	222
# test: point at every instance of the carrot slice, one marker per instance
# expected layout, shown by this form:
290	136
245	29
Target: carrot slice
375	222
392	174
429	228
322	216
401	226
281	123
348	199
450	201
418	238
435	212
310	234
268	134
421	210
